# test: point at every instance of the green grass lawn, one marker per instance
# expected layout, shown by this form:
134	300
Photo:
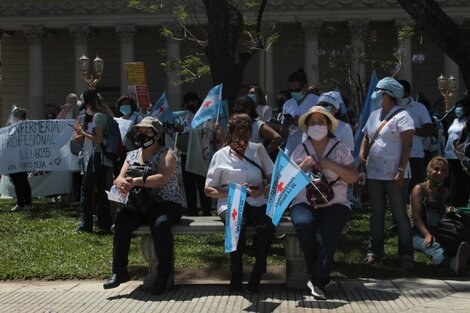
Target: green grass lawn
42	244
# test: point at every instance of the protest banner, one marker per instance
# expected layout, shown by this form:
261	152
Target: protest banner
137	84
37	145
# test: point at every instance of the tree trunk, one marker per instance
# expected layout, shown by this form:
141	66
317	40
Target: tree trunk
453	39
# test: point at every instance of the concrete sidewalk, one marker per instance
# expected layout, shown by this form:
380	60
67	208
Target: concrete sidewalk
399	295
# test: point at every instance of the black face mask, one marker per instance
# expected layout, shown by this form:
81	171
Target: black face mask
144	141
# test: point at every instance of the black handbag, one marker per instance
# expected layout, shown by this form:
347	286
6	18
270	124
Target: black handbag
140	199
320	191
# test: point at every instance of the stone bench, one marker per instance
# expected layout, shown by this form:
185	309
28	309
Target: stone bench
296	269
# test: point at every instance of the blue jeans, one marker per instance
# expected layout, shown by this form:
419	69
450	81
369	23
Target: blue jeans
328	221
435	251
95	177
379	191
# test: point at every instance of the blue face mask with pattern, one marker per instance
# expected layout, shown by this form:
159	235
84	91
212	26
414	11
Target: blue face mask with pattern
297	96
125	109
376	99
458	111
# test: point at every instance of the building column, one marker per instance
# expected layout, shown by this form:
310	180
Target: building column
404	46
358	30
451	68
173	88
266	69
81	35
36	37
126	34
311	65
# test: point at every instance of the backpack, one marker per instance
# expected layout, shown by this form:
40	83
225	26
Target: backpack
453	229
112	146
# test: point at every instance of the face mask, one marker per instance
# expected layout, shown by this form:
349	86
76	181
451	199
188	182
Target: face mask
125	109
458	111
434	182
317	132
144	141
89	112
297	96
376	99
252	97
329	108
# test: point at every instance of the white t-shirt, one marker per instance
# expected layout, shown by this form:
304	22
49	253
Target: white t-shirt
255	128
265	112
453	132
385	153
341	155
227	167
293	108
420	115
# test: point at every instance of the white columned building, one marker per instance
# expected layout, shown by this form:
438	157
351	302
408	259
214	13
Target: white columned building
126	35
36	37
81	35
311	63
266	69
406	71
173	88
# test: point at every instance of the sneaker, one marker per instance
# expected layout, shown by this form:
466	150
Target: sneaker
317	292
406	262
253	283
17	208
459	262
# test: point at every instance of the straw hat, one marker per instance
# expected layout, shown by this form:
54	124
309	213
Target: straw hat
317	109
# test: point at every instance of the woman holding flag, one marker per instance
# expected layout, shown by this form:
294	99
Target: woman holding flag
321	152
248	164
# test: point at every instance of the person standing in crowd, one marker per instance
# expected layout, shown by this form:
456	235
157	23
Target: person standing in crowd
127	107
193	183
20	179
167	211
70	109
331	101
95	175
244	162
260	131
264	111
302	100
459	180
428	206
385	150
323	152
423	128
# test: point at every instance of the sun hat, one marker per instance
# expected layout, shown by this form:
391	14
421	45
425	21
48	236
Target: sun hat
317	109
331	97
152	122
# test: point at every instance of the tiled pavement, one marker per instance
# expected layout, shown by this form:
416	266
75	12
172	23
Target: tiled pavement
412	295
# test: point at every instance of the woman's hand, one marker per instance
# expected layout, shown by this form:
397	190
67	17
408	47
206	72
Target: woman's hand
124	184
428	240
399	177
307	163
256	191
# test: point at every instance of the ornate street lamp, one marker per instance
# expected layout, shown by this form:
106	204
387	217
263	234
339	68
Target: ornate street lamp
93	79
447	88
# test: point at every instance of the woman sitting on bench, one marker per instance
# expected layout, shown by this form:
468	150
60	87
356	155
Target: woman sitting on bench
166	210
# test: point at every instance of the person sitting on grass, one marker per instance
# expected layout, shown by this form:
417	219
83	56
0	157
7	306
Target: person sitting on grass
428	206
166	212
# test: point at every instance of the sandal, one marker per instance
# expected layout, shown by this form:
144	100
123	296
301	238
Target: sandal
370	259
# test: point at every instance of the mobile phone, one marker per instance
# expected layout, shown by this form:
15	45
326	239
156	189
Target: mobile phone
288	116
254	187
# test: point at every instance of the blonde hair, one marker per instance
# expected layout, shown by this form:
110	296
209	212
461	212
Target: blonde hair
436	159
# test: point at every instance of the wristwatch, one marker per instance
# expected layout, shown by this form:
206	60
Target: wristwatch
400	169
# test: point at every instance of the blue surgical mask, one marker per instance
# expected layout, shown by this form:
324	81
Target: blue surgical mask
458	111
297	96
252	97
125	109
376	99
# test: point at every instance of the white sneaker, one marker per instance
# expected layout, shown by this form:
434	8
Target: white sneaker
17	208
459	263
317	293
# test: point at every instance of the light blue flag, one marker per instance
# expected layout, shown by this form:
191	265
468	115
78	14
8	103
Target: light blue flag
286	182
234	217
179	116
223	114
161	110
209	107
365	112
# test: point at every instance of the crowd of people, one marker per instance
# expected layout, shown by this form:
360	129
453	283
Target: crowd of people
310	127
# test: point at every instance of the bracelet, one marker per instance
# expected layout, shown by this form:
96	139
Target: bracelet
400	169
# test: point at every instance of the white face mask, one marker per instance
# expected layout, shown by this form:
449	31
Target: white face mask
317	132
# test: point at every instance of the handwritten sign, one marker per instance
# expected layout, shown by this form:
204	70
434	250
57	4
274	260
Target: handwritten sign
137	83
37	145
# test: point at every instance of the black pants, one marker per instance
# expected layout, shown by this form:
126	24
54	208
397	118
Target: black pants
459	183
418	173
264	235
194	183
160	221
22	188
